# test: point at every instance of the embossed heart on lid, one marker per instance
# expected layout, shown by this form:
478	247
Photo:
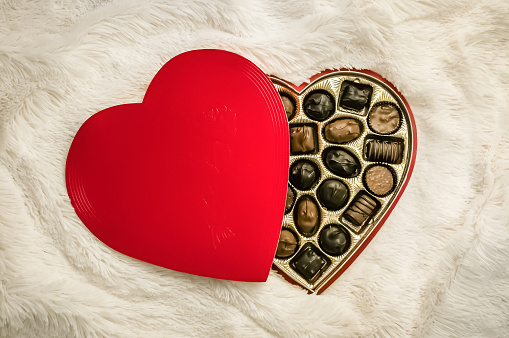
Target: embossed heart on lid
352	151
194	177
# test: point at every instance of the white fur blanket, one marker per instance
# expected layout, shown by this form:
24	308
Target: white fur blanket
439	265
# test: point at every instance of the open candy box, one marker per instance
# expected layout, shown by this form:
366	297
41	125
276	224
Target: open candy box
352	143
146	188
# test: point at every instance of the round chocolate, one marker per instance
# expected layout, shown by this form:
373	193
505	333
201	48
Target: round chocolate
341	162
334	240
304	174
384	119
379	180
306	216
319	105
343	130
289	106
286	245
333	194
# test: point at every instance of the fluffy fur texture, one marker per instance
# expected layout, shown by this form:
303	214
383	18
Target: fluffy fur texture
437	268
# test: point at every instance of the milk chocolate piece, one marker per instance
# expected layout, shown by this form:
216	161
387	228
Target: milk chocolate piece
384	119
289	105
384	151
333	194
343	130
290	198
319	106
361	210
379	180
341	162
355	95
286	245
302	139
304	174
310	263
306	216
334	240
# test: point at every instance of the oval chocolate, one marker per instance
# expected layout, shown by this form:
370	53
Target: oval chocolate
306	216
341	162
343	130
287	244
289	104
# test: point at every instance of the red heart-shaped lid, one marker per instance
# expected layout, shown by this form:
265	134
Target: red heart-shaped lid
193	179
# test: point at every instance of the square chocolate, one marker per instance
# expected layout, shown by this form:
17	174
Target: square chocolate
303	139
355	95
310	262
362	208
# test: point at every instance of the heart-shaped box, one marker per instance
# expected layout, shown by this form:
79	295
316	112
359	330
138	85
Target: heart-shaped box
193	178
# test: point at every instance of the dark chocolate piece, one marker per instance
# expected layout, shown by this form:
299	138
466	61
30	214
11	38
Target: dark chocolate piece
334	240
304	174
290	198
361	210
306	216
355	95
289	106
333	194
379	180
310	263
384	151
286	245
343	130
341	162
319	106
302	139
384	118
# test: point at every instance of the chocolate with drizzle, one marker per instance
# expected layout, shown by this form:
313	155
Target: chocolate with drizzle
362	208
384	151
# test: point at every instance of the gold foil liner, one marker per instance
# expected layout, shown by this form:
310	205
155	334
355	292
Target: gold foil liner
332	83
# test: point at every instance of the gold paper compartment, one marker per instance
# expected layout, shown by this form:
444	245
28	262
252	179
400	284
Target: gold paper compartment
331	83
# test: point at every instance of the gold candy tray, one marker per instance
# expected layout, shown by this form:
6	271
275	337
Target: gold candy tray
349	182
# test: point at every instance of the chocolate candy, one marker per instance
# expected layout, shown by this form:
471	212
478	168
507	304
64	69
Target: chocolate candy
333	194
355	95
309	262
384	118
286	245
384	151
361	210
304	174
307	216
341	162
290	198
343	130
302	139
319	106
379	180
334	240
289	105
